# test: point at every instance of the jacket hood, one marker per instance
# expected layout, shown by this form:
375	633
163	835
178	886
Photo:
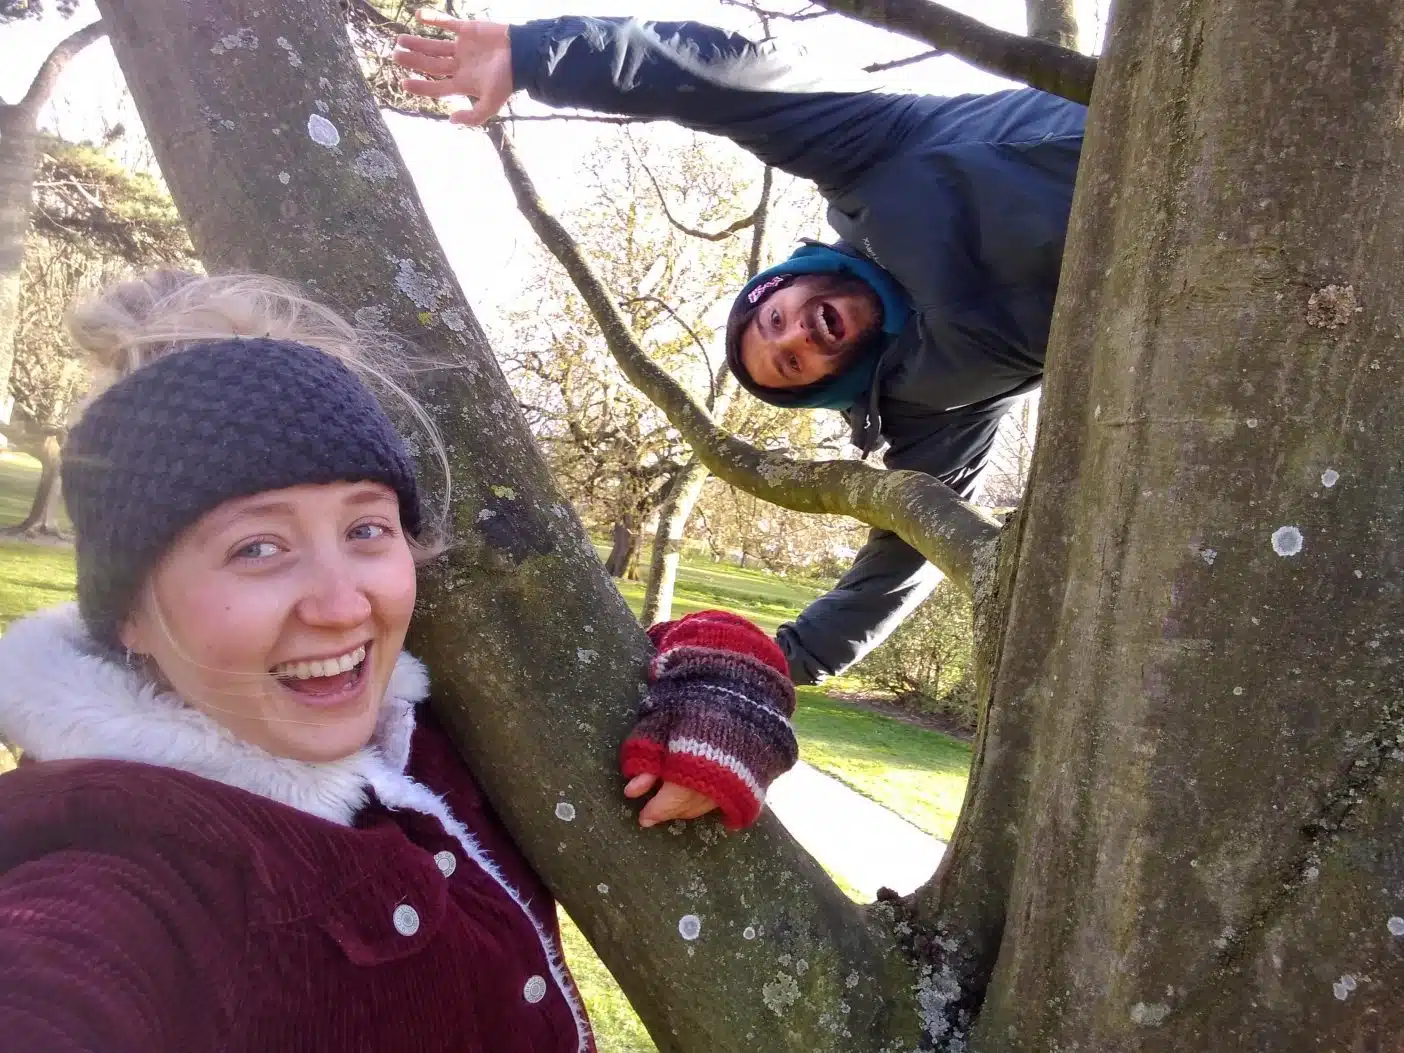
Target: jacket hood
843	389
63	697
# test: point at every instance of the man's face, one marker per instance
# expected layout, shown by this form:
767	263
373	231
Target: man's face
808	330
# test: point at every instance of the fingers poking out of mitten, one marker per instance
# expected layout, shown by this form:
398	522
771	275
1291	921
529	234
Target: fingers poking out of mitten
716	714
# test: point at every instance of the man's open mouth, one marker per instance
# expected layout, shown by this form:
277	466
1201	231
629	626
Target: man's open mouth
828	325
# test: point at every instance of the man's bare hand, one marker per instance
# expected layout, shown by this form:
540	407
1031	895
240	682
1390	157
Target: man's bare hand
477	63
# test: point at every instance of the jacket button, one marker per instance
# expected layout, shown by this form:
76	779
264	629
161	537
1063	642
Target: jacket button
406	920
535	990
446	863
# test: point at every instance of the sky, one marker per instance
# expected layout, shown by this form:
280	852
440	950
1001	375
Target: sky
455	170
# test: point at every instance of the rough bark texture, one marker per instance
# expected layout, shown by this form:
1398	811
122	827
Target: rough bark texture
280	162
1036	63
686	488
952	534
42	519
1189	786
19	153
1053	22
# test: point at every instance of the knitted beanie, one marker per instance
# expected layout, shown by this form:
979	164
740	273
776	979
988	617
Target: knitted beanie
716	714
214	421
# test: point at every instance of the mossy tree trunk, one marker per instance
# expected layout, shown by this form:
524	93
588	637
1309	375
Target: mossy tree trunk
1183	830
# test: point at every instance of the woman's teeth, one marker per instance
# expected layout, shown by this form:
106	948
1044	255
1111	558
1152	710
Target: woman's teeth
325	667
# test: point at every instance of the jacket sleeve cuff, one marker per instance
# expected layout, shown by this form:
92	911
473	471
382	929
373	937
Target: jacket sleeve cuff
527	42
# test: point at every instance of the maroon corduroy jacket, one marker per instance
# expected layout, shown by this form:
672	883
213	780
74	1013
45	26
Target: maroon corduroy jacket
145	908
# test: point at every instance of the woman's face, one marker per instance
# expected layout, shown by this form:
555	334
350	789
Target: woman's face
280	615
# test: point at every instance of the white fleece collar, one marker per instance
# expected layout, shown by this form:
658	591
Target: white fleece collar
62	699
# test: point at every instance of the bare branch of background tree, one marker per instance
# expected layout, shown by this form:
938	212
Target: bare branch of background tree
42	86
1033	62
1054	21
953	535
716	235
697	340
760	218
367	14
806	14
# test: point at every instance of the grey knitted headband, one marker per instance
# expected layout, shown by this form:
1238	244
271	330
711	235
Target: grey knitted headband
215	421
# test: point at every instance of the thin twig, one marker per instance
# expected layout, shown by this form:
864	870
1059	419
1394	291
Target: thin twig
706	359
719	235
910	60
767	13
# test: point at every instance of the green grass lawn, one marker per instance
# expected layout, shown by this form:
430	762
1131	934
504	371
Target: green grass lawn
917	773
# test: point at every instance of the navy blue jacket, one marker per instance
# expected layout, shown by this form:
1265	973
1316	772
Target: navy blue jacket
964	201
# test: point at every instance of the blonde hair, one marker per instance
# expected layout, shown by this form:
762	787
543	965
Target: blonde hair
135	322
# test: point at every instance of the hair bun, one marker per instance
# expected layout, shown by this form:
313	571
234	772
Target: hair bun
115	329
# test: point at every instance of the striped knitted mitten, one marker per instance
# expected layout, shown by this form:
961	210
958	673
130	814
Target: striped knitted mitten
716	715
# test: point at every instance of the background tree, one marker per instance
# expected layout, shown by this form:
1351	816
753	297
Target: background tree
1127	873
1053	21
92	221
19	151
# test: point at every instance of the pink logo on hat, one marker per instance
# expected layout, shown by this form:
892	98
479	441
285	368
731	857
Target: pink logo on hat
770	284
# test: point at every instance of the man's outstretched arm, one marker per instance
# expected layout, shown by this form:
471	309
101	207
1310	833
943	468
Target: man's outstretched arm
701	77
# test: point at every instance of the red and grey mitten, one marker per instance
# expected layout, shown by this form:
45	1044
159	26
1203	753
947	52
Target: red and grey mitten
716	716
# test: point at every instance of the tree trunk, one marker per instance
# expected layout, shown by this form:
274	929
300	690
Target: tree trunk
287	168
623	540
686	488
42	520
1053	21
1182	830
19	145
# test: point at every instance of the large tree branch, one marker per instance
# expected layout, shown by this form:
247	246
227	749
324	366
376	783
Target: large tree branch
952	534
42	86
1032	62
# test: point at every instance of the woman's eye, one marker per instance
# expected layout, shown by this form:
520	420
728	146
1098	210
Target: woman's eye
775	319
257	550
368	532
